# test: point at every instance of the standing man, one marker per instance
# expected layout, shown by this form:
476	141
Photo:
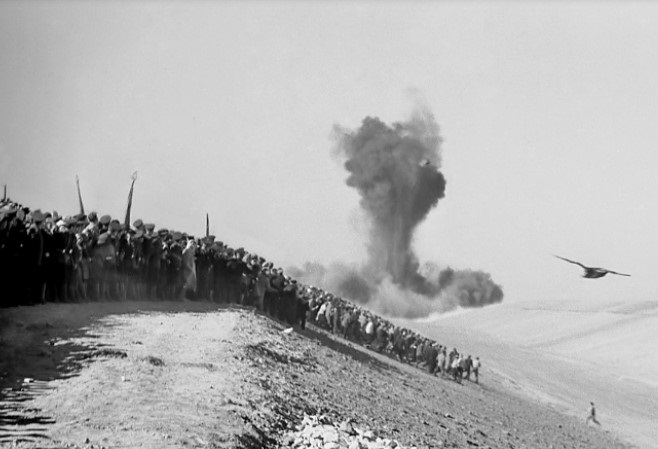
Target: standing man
475	367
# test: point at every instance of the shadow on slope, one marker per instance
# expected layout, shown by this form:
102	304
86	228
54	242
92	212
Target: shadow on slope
36	348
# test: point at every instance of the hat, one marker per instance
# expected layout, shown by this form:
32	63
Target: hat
70	221
80	217
115	225
138	223
92	216
177	235
38	216
149	226
105	219
163	231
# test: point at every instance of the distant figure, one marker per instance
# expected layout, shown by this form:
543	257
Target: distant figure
476	369
441	362
590	272
592	415
468	365
456	369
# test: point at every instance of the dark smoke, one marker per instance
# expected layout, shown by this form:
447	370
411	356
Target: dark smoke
396	171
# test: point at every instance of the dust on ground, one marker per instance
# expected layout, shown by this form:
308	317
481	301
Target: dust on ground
193	374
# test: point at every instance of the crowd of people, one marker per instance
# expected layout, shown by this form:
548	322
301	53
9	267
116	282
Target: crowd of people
87	257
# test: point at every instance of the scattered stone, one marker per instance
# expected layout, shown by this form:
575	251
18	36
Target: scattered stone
155	361
317	431
106	352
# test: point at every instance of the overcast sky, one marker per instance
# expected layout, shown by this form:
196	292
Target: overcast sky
547	109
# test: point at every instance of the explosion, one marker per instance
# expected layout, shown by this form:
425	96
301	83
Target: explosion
396	171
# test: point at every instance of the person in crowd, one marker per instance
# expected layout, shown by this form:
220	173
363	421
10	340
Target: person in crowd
456	368
189	270
442	360
476	369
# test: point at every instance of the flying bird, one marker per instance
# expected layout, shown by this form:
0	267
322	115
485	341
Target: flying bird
591	272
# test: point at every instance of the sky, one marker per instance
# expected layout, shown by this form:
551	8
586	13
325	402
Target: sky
546	109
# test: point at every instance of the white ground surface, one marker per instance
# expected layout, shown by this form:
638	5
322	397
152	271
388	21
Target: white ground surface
568	354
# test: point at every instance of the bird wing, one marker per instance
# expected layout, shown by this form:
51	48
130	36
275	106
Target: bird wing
620	274
571	261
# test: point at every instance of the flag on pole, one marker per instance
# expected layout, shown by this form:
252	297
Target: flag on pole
207	225
82	206
130	200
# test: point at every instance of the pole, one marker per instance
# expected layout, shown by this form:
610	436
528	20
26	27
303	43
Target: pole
82	206
130	200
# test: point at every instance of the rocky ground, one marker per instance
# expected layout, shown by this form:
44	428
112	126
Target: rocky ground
158	375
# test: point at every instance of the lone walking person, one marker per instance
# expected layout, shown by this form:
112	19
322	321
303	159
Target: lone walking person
592	415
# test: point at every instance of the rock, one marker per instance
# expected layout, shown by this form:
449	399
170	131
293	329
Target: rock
343	426
330	435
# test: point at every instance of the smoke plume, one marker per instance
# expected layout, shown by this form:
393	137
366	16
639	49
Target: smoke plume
396	171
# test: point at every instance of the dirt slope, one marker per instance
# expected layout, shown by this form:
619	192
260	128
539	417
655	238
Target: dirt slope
188	374
568	354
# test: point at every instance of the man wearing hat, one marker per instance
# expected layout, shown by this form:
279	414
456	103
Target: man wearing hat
220	273
93	228
37	257
104	223
13	261
153	255
138	224
188	270
60	270
173	263
138	263
148	229
261	282
203	265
